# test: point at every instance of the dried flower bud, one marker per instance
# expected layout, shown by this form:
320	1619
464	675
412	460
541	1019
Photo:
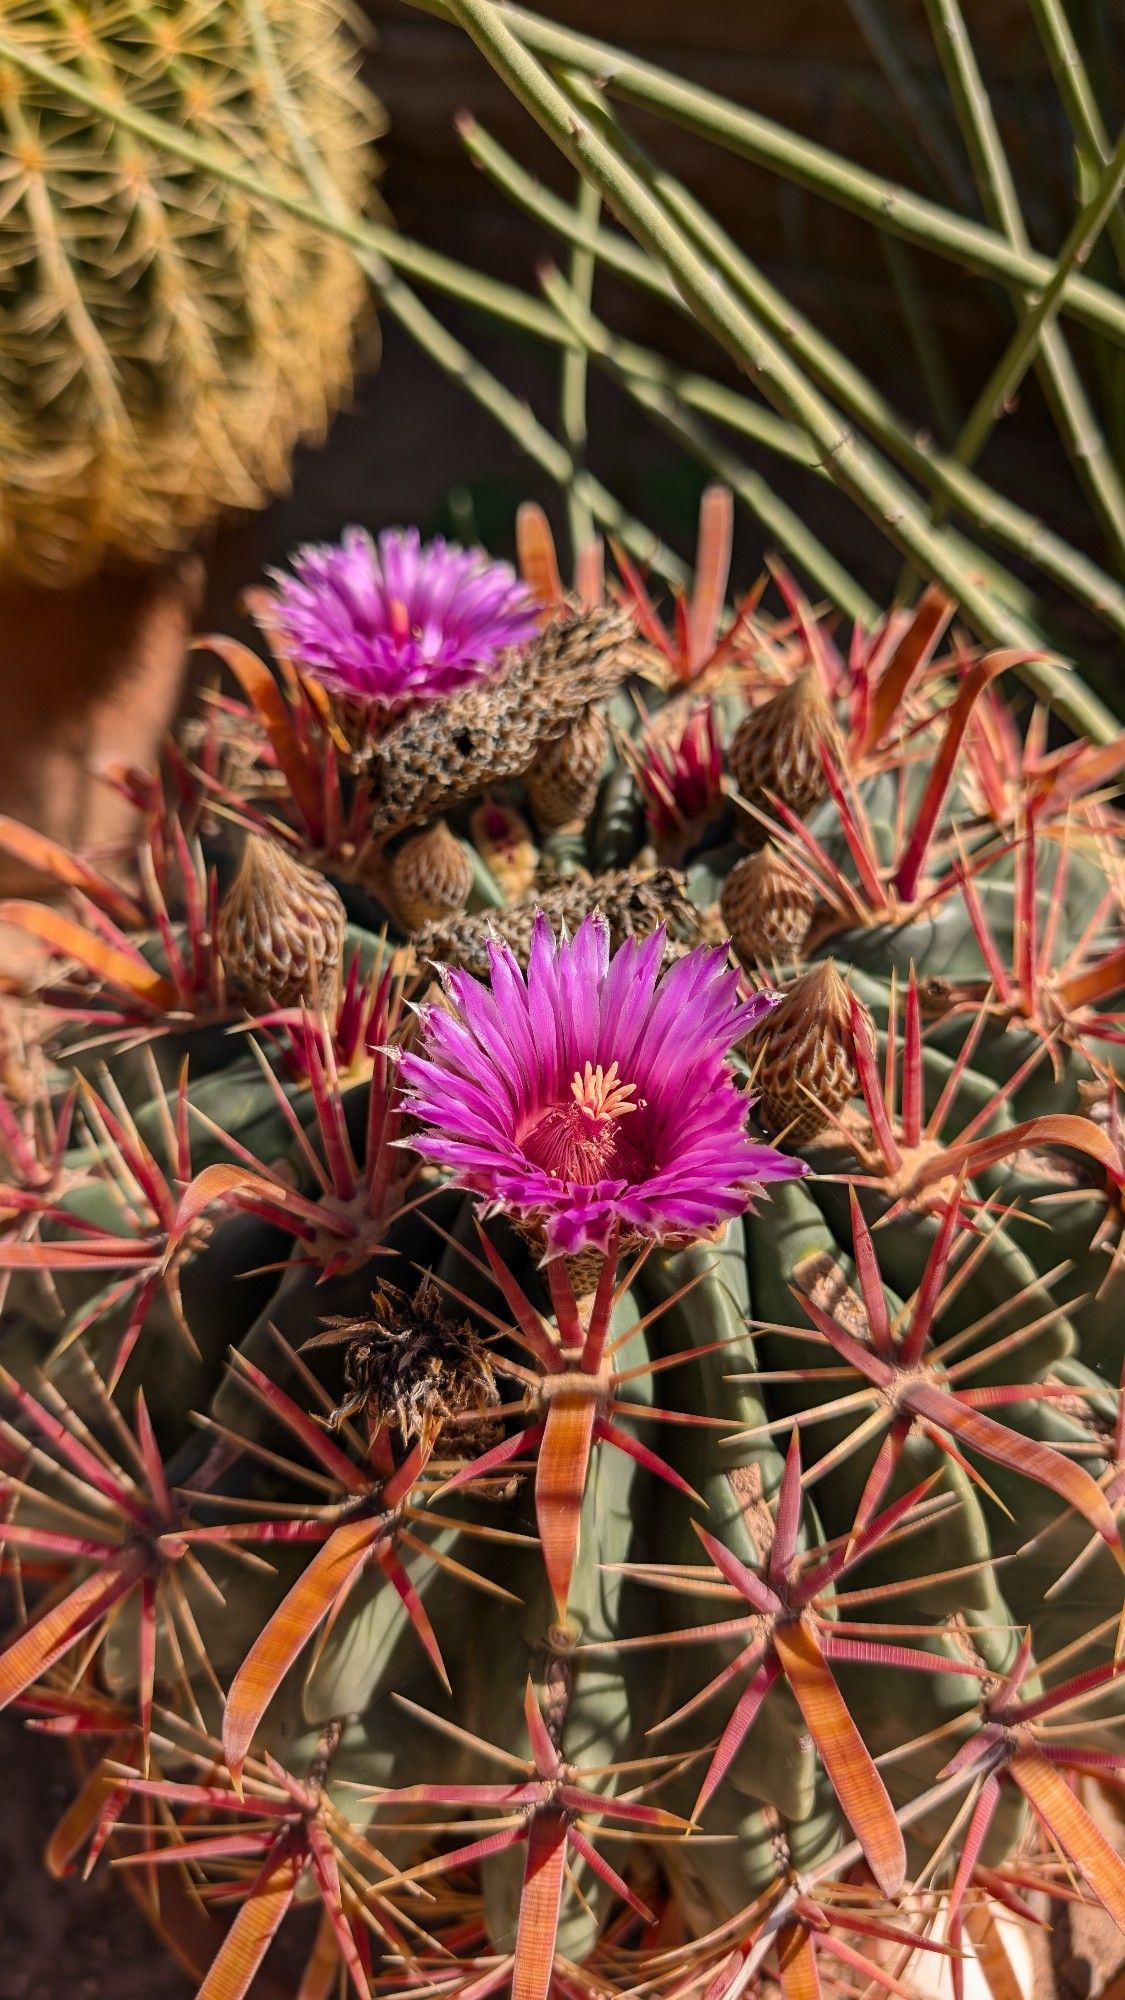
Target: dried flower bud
281	931
506	845
431	877
767	907
804	1055
777	750
562	784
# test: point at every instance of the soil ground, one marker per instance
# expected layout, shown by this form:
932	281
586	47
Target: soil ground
65	1940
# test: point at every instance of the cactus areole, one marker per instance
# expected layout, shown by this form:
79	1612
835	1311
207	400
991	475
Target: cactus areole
560	1392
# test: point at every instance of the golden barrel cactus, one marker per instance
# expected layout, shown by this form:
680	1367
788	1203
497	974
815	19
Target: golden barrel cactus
165	338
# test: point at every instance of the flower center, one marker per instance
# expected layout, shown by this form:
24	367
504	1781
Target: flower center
399	619
580	1140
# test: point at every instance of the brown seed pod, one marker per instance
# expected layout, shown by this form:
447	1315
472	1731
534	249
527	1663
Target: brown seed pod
803	1055
281	931
562	784
431	877
766	906
438	756
776	752
634	903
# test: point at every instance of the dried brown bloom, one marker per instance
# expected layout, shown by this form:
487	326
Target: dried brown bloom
413	1366
436	757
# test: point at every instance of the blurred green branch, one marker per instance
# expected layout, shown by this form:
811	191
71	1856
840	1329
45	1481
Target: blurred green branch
803	161
988	511
752	345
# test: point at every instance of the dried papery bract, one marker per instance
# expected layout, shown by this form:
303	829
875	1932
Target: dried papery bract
779	749
430	877
281	931
634	902
803	1055
767	907
563	782
434	758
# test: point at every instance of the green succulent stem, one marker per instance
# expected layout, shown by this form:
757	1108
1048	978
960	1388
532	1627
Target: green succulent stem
686	430
1070	406
748	285
924	118
803	161
1027	339
574	367
864	478
1072	81
932	364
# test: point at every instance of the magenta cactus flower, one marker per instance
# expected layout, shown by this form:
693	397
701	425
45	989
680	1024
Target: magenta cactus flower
594	1091
398	621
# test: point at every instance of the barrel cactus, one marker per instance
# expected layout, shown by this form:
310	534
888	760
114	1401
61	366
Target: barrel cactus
561	1402
165	337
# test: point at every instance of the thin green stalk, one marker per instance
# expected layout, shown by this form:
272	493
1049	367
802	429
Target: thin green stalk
1027	338
708	398
1070	406
706	236
573	373
801	160
756	493
452	357
932	365
1091	139
988	511
862	476
525	430
924	119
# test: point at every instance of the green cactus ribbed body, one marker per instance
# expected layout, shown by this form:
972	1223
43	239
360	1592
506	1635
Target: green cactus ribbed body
983	974
164	338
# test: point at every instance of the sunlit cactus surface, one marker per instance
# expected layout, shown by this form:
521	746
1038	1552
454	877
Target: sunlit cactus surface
165	339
